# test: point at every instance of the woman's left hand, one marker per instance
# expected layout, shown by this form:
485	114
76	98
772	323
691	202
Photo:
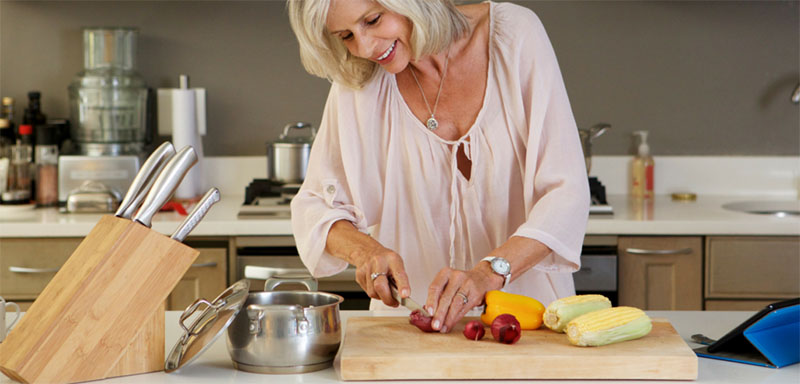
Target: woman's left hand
454	292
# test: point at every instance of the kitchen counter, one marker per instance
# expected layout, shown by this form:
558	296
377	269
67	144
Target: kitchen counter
214	366
660	216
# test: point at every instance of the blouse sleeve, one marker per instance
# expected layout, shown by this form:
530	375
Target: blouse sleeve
325	197
555	180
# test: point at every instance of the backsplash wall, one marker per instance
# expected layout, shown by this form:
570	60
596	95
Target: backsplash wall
707	78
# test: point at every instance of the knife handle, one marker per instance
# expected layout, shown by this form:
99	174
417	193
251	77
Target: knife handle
165	184
144	179
198	212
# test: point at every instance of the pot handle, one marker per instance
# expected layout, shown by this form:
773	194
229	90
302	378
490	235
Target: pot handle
256	313
299	125
300	278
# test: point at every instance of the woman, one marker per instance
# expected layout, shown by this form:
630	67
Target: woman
448	137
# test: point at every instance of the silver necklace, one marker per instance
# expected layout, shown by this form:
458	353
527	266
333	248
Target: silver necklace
432	123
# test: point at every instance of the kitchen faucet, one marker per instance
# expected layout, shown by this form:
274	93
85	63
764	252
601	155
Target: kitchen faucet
796	95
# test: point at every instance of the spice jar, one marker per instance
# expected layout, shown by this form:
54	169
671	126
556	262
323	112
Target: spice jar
46	165
19	174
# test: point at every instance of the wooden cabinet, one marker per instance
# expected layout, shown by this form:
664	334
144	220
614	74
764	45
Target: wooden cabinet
28	264
749	272
661	273
204	279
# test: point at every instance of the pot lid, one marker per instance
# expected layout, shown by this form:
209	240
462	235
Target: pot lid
284	138
215	317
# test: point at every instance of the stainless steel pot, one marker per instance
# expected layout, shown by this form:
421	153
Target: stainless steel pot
287	157
286	331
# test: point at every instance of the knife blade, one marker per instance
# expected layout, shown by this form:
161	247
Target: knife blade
144	180
406	302
198	212
165	185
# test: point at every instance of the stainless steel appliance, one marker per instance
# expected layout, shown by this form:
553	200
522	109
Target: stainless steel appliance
598	273
108	99
94	183
279	254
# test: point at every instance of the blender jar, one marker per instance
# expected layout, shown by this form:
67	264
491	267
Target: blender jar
108	99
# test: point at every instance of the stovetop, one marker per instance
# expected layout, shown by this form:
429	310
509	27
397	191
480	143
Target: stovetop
264	198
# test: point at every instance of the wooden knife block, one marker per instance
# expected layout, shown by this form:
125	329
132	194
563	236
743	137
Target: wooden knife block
102	315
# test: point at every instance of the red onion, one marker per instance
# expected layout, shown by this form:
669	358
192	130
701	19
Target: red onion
506	329
474	330
421	321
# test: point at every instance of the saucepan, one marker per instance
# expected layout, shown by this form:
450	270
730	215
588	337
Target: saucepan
285	331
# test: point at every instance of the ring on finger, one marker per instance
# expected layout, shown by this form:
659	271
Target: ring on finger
464	298
375	275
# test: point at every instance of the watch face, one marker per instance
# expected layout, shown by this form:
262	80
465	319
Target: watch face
501	266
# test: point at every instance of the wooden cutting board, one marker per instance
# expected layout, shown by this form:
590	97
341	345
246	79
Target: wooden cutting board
389	348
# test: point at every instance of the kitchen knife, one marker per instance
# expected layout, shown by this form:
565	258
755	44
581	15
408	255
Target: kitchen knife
144	179
198	212
407	302
165	185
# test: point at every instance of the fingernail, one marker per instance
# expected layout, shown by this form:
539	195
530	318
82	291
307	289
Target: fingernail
444	329
405	292
436	324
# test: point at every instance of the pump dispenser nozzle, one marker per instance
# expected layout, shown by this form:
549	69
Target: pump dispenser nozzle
644	149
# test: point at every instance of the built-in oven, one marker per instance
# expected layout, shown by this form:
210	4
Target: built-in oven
598	273
279	254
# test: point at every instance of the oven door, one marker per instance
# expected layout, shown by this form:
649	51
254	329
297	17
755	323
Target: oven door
598	273
279	255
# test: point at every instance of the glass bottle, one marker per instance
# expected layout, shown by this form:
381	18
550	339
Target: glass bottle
6	142
19	172
46	156
32	115
108	99
7	112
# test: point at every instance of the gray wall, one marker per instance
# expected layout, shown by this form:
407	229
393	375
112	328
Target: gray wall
705	77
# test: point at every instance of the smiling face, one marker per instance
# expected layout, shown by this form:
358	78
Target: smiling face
372	32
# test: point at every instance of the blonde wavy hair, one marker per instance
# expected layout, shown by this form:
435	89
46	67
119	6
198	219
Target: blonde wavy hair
435	25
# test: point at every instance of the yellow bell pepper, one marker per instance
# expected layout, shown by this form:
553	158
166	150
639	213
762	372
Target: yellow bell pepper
527	310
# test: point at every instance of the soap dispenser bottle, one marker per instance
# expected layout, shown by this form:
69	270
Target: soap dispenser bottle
642	169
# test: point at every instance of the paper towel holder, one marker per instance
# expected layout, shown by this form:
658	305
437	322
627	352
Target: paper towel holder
164	97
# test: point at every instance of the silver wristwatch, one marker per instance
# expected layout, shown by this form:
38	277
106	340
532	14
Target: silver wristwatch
500	266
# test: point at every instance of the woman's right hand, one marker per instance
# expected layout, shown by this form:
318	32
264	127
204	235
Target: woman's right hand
378	264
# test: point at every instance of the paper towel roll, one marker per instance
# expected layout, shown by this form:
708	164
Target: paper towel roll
185	132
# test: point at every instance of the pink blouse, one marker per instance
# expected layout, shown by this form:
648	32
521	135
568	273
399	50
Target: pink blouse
376	165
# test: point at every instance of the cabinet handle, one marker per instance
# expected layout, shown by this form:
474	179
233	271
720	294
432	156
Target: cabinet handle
32	270
203	265
639	251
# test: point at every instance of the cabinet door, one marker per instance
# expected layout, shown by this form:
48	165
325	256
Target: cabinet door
206	278
661	273
28	264
752	267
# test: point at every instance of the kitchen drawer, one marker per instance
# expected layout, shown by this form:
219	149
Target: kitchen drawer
737	305
206	278
27	265
752	267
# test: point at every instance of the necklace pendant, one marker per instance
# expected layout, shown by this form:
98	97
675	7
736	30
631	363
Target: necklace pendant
432	124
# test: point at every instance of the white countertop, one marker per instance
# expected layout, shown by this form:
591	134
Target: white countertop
214	366
660	216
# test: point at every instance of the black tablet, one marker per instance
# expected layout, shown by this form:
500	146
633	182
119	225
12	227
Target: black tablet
734	341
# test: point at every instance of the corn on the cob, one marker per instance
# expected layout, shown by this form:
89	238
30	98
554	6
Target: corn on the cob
608	326
561	311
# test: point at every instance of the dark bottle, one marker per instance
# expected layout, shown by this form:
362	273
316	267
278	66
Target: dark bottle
33	114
